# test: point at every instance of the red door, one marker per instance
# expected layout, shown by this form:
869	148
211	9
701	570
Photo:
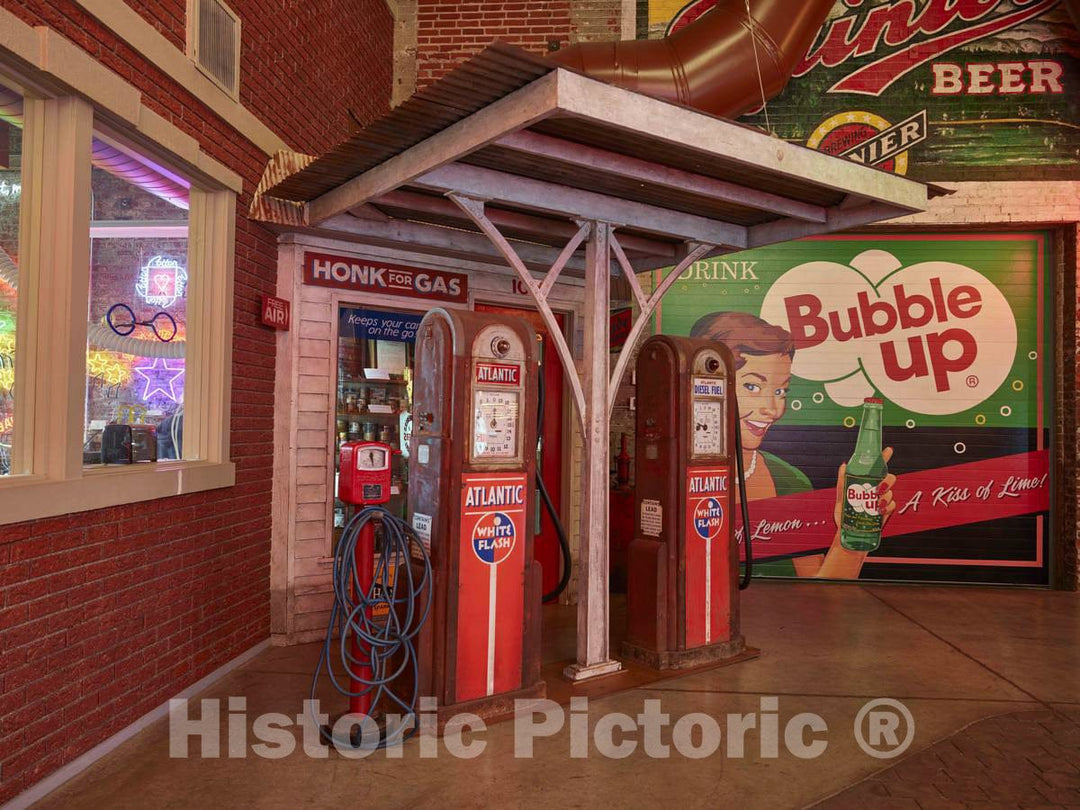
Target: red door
546	545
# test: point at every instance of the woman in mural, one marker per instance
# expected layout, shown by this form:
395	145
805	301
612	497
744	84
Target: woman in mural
763	357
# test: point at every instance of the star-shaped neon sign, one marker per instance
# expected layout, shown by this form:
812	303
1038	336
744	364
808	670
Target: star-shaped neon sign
161	378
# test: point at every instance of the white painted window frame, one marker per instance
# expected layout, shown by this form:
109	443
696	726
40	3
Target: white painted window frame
48	477
192	45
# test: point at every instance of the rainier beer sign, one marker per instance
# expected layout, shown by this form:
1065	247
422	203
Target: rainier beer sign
901	35
363	275
935	89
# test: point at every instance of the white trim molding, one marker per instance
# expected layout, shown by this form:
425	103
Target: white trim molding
33	497
57	67
69	98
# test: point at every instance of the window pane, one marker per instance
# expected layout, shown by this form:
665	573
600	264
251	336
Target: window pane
11	125
135	365
374	391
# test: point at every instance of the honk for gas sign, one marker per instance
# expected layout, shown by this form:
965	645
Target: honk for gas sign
951	331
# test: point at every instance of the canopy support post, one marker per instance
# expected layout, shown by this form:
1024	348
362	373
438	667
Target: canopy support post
593	620
593	391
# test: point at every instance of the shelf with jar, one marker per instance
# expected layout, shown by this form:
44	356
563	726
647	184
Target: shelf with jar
371	400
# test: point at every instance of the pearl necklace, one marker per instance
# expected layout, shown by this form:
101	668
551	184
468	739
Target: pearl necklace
753	464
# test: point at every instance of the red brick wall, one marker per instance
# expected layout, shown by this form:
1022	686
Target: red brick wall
300	57
104	615
449	32
168	16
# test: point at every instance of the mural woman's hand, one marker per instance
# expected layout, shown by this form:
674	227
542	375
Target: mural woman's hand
839	562
886	504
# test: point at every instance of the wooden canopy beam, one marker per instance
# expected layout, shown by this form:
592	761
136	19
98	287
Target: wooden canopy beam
644	171
573	203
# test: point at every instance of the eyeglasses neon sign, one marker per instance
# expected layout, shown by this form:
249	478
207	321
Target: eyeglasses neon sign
161	281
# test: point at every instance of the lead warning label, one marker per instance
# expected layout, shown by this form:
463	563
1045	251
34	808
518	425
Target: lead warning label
652	517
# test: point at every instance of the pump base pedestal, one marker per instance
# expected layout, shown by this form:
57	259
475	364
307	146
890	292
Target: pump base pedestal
486	708
684	659
576	672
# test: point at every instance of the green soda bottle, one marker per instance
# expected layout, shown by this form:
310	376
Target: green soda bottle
860	518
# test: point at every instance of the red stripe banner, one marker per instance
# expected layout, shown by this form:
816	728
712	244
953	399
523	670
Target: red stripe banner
929	499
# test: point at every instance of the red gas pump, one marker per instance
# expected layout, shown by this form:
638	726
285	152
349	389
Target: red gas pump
472	466
683	563
382	596
363	480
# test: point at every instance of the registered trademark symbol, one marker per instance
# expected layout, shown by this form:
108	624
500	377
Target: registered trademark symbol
972	381
876	726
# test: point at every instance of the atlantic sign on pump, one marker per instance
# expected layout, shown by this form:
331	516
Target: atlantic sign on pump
707	610
492	564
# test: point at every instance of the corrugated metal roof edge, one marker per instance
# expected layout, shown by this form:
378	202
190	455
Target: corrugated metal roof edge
405	124
400	130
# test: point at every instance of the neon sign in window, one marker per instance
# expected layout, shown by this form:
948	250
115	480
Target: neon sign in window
161	281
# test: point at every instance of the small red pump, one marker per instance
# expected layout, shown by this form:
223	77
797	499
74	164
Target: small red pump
364	480
382	582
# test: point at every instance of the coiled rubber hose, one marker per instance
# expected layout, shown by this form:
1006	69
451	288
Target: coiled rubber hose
100	335
386	637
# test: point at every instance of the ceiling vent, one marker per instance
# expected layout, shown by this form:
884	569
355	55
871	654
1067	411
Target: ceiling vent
214	42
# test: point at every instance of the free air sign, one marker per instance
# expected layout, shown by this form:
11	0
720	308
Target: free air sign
275	312
363	275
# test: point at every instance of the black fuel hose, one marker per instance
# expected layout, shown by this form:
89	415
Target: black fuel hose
560	530
748	570
393	592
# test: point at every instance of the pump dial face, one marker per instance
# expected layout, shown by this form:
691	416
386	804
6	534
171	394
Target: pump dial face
371	458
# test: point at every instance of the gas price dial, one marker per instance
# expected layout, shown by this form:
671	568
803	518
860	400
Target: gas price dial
371	458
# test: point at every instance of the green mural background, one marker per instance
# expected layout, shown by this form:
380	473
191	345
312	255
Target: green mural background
1010	262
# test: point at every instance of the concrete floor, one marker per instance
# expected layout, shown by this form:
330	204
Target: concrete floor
953	656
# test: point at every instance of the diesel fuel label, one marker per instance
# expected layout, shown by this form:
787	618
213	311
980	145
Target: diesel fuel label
708	387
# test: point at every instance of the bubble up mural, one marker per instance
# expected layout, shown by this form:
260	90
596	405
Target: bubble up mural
950	331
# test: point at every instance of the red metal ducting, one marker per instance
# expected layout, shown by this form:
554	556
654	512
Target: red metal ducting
709	64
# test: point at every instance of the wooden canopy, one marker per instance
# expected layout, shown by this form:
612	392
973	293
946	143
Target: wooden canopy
511	161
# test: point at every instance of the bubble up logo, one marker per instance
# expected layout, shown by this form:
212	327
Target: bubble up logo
493	538
863	498
935	337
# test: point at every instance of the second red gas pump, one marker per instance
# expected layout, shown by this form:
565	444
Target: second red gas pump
683	563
